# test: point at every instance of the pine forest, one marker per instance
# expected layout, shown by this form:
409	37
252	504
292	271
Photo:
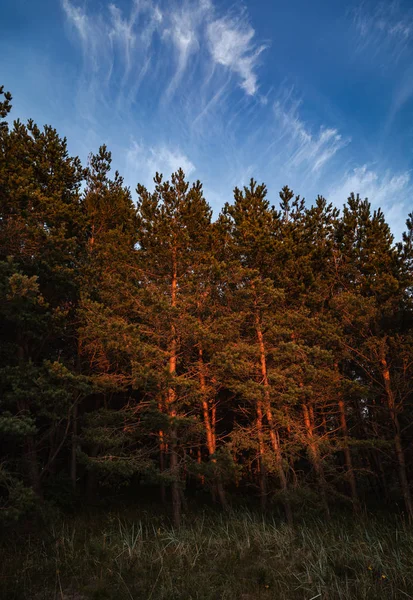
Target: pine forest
198	406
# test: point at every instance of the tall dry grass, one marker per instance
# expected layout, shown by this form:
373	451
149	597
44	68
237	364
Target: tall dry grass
240	556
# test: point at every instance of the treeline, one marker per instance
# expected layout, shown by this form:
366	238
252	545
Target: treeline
266	355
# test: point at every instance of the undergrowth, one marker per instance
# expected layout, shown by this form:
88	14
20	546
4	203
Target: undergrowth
240	556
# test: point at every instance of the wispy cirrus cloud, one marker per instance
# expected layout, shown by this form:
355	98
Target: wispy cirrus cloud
188	56
278	145
181	79
391	192
384	37
78	18
383	29
185	30
121	31
190	33
115	47
304	149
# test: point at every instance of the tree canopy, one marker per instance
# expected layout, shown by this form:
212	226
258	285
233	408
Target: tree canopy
266	356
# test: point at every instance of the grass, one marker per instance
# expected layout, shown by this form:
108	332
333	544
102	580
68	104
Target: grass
240	556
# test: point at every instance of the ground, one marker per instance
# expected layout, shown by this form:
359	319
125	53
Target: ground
236	556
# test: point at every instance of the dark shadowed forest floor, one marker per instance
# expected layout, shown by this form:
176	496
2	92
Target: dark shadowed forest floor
240	556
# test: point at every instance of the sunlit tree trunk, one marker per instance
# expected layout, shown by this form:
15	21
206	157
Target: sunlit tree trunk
209	422
174	458
314	454
273	433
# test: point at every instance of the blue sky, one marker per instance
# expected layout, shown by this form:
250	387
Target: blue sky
317	95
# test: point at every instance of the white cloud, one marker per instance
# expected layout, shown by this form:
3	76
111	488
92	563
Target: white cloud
168	161
383	37
368	183
143	162
184	29
189	56
115	50
385	190
78	18
89	30
191	35
104	34
232	45
121	31
385	30
302	149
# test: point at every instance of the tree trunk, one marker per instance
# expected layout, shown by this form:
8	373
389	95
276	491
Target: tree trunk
261	460
162	450
91	481
174	458
273	433
174	463
209	422
315	457
210	433
32	465
73	456
391	402
347	457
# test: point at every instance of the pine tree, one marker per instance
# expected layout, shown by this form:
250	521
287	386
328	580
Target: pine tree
253	227
305	265
41	244
172	224
108	333
271	349
371	303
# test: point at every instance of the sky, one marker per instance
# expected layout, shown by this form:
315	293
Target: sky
315	95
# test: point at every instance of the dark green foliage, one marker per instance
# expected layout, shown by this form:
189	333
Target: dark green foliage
149	351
